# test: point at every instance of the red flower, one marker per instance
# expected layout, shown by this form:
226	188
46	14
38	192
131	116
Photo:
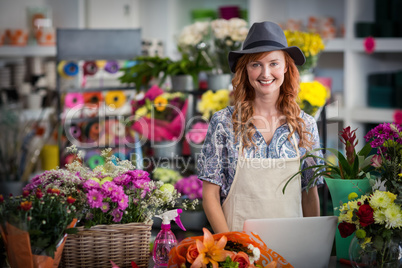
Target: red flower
242	259
192	253
39	194
349	139
346	229
26	205
1	198
70	200
55	191
365	215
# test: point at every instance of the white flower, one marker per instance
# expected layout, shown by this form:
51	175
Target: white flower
393	215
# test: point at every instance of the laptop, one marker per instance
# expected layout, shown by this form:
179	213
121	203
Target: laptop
303	242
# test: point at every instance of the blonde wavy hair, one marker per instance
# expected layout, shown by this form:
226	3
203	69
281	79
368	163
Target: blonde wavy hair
244	96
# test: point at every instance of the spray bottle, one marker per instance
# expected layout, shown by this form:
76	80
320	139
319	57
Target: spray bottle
166	240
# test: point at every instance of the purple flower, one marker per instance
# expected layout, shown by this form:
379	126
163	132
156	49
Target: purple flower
117	215
91	184
105	207
123	179
108	188
95	198
117	194
123	202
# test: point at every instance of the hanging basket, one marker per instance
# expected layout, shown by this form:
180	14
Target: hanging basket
97	246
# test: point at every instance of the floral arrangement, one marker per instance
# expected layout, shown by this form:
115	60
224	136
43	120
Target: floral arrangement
232	249
310	43
387	139
212	102
166	175
190	187
312	96
159	115
197	133
351	166
228	35
374	219
36	224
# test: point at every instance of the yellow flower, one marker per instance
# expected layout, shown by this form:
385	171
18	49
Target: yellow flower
393	215
367	240
211	251
142	111
352	195
115	99
160	103
380	199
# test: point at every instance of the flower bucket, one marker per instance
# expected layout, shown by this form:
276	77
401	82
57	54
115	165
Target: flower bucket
339	190
19	251
167	149
97	246
182	82
219	81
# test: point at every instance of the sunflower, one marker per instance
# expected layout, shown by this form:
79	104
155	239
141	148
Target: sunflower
115	98
160	103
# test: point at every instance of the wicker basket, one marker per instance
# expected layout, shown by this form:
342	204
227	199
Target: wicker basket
97	246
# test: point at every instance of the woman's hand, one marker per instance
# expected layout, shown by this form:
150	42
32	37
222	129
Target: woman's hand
311	202
212	207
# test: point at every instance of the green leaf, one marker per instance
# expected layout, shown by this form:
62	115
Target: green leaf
365	150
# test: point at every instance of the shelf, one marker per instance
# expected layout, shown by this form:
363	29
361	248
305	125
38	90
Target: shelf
335	45
372	115
91	89
34	50
381	45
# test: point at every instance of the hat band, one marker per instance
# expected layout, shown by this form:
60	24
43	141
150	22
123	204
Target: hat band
263	43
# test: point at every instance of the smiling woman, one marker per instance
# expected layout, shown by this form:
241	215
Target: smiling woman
265	124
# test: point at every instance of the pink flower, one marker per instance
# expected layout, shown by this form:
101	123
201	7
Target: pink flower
105	207
91	184
369	45
117	215
376	161
95	198
123	202
398	117
197	133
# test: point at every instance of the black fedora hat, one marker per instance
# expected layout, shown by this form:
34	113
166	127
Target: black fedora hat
263	37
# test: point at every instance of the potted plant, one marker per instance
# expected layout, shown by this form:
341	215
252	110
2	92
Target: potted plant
350	173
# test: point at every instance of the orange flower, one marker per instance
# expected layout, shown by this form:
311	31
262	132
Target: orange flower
160	103
242	259
70	200
192	253
26	205
211	251
55	191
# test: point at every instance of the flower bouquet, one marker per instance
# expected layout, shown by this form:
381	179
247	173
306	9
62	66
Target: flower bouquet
197	133
312	97
34	226
228	35
232	249
160	115
376	220
310	43
387	139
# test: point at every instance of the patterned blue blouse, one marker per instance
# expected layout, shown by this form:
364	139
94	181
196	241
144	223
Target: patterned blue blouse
218	159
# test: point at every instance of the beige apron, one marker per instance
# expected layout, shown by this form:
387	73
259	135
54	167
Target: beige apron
256	191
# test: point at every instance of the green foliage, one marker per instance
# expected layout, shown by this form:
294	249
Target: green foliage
144	70
343	169
229	263
45	219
